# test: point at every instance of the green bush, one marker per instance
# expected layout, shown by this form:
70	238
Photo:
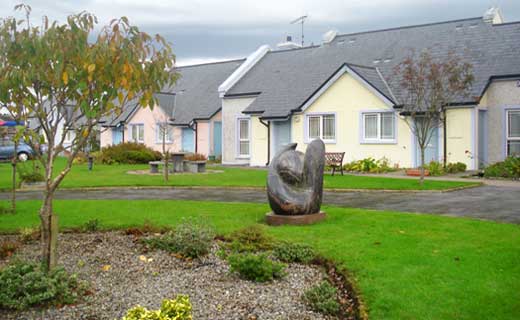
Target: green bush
128	152
456	167
28	235
91	225
293	252
8	248
178	309
435	168
30	172
255	267
509	168
250	239
24	285
369	165
190	239
322	298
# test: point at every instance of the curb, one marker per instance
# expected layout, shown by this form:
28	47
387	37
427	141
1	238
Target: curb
334	190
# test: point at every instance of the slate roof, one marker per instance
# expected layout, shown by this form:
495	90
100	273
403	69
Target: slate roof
196	91
287	78
194	97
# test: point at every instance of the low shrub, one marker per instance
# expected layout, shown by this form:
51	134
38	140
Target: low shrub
255	267
128	153
456	167
28	235
195	157
369	165
293	252
8	248
509	168
25	285
80	158
30	172
91	225
191	239
250	239
177	309
435	168
322	298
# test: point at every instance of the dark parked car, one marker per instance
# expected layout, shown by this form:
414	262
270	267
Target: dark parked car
24	151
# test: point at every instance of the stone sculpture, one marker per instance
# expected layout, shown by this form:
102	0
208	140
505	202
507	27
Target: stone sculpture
295	182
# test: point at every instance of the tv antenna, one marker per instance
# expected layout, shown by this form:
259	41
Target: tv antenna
300	20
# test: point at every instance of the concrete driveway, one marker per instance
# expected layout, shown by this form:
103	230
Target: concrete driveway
498	203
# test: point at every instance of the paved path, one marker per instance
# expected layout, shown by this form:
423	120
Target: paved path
499	203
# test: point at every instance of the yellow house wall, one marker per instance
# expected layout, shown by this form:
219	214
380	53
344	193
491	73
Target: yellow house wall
461	136
348	97
259	143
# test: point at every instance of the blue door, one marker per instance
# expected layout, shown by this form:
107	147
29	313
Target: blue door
281	135
117	135
431	153
217	138
188	140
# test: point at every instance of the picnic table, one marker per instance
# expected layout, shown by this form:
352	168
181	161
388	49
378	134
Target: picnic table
176	161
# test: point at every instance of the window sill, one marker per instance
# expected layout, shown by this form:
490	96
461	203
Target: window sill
378	142
324	141
243	157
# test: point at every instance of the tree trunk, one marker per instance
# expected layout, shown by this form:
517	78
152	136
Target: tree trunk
49	231
166	159
421	179
444	140
13	191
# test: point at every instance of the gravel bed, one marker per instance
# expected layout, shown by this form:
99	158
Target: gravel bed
214	292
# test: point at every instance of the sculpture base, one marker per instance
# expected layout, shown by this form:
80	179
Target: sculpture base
274	219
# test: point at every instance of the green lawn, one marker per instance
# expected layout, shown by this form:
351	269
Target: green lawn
406	266
116	175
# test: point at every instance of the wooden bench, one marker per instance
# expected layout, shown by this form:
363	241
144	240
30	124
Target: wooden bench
335	160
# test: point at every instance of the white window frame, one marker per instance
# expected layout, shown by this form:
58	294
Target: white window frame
379	139
508	138
237	135
158	135
309	115
131	128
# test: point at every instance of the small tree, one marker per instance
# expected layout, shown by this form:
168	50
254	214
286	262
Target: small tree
58	75
428	86
164	130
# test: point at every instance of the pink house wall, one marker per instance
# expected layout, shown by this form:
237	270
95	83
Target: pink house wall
105	138
149	118
205	135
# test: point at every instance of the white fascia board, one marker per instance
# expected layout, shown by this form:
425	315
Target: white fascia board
250	62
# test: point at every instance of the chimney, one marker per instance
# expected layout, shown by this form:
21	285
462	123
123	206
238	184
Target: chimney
329	36
493	15
288	44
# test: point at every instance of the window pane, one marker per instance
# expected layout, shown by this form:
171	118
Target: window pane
141	132
314	127
371	126
244	148
329	130
513	148
244	130
169	134
134	133
513	124
387	126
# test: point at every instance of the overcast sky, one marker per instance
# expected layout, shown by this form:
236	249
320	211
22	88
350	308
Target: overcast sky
209	30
